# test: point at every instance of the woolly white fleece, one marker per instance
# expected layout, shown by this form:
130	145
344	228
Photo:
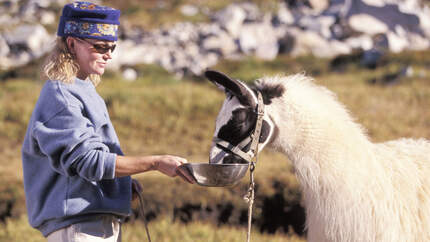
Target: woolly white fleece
354	190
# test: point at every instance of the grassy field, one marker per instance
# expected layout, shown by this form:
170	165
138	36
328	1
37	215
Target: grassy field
158	114
161	231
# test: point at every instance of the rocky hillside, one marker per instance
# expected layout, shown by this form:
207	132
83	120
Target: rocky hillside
320	28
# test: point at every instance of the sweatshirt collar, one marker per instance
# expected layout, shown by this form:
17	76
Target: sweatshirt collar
86	82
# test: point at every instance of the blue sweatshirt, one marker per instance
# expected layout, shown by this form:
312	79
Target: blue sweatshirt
68	157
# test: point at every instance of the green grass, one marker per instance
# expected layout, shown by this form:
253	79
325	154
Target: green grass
158	114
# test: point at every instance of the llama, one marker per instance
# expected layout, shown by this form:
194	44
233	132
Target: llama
353	189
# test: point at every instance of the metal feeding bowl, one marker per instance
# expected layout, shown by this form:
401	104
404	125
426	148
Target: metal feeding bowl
216	175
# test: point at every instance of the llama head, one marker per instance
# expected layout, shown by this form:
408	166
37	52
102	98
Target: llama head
236	120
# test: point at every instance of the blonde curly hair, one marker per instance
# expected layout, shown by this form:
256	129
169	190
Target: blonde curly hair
61	65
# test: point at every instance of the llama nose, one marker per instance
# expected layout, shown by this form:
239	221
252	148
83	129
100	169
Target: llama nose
216	155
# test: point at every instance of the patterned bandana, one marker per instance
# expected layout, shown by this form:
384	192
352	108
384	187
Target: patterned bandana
88	20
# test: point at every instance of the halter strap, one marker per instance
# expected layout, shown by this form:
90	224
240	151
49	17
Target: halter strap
253	138
236	149
258	125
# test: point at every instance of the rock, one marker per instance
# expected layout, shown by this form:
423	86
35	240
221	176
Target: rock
371	58
322	28
130	32
202	62
367	24
252	12
35	38
388	13
221	43
363	42
401	40
319	5
338	48
9	7
6	20
191	49
49	3
130	54
259	39
231	19
381	42
208	60
341	30
47	18
418	42
320	24
325	23
4	48
375	3
181	33
25	43
284	15
189	10
16	60
313	43
209	29
424	19
129	74
397	41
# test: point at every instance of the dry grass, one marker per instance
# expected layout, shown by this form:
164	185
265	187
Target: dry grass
158	114
387	112
163	230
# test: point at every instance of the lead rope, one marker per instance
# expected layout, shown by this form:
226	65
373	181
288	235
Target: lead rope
142	213
249	198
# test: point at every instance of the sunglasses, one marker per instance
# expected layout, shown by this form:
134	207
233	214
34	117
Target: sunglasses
100	48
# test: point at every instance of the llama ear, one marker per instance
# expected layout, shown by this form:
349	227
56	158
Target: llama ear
235	87
220	87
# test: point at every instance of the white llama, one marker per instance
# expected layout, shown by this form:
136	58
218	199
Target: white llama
353	189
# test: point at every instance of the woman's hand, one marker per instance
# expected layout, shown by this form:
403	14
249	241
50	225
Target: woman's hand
168	165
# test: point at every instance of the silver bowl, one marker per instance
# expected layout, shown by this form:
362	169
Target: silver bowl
215	175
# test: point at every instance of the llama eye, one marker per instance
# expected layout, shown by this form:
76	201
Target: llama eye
240	117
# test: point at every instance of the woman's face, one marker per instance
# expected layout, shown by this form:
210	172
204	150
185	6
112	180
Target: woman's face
91	55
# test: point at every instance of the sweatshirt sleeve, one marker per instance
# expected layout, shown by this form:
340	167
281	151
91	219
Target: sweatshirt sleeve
73	147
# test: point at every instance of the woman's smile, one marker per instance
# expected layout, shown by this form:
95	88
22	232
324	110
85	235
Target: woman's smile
92	56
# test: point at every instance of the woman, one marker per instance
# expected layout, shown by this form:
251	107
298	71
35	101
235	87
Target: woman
76	178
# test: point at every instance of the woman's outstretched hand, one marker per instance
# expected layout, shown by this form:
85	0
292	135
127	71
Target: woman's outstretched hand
168	165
